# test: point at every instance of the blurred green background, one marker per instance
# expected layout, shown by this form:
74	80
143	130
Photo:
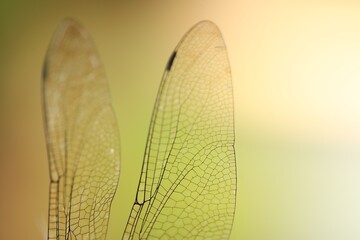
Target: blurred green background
296	74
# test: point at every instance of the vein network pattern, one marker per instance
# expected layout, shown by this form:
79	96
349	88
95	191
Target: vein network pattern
187	186
81	135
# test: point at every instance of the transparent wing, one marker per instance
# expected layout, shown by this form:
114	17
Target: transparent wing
82	136
187	186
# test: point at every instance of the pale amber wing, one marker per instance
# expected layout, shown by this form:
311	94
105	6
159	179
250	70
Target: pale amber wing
187	187
81	135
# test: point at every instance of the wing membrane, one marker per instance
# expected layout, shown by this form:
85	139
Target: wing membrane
82	136
187	185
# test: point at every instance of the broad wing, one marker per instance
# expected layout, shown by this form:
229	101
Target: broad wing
81	134
187	186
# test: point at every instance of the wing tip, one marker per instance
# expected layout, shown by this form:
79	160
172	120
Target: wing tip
69	28
206	24
57	38
68	35
202	30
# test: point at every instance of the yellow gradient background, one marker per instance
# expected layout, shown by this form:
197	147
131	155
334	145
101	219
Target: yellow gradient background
296	75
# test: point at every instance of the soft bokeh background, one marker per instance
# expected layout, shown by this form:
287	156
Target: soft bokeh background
296	73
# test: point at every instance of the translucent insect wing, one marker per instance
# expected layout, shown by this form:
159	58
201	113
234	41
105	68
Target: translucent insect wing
187	186
81	135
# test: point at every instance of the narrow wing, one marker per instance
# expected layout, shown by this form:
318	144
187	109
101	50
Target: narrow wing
81	135
187	186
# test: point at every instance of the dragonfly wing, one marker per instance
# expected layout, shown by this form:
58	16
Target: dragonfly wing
187	186
81	135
